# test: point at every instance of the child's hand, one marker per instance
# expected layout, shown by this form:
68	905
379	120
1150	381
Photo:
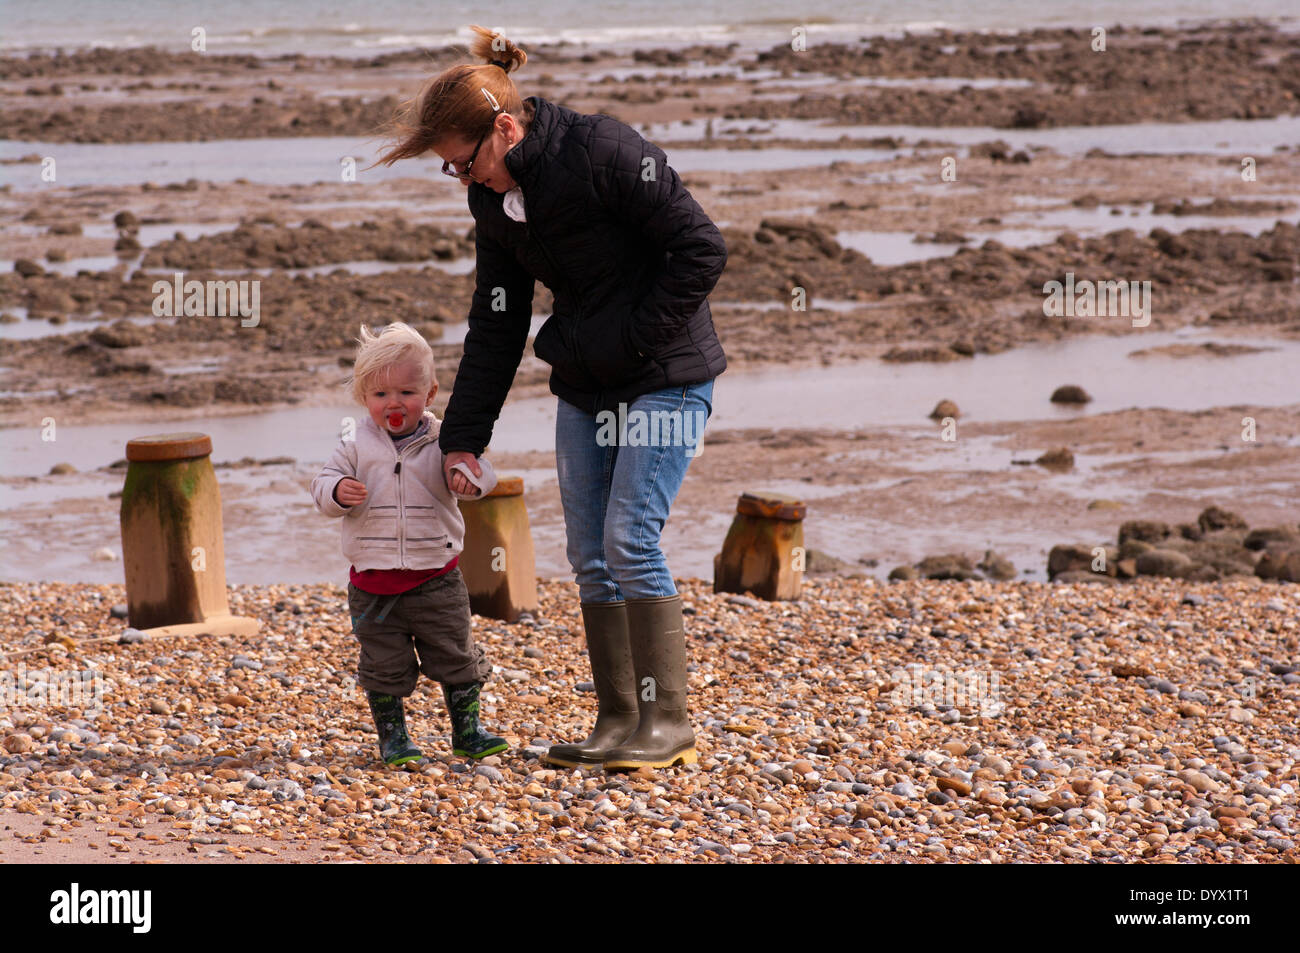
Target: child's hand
350	492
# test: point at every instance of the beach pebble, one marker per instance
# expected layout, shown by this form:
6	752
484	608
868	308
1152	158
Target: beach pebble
1200	781
999	766
18	743
953	786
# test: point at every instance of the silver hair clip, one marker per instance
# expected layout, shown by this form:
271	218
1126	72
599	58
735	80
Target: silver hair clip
496	106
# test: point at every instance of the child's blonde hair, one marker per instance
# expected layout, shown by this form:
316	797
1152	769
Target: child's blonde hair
395	344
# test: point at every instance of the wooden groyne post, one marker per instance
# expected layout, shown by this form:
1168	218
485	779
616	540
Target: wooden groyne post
172	551
497	562
763	552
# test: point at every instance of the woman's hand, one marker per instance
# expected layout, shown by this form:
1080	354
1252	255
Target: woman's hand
350	492
457	481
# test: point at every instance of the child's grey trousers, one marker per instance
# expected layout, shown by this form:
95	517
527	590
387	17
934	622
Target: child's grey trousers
425	629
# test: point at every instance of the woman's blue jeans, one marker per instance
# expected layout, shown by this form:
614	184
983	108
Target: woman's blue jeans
619	474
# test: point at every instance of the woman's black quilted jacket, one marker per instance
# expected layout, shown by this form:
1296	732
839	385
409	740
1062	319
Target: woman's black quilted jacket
628	254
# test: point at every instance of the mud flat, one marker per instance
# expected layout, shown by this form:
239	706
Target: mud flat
825	173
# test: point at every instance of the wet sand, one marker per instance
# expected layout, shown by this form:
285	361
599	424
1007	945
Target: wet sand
878	497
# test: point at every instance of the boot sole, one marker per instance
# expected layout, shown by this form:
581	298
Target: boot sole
592	761
565	763
462	753
404	760
682	757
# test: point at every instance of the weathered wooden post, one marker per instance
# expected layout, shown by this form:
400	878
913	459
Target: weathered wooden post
763	552
172	552
497	562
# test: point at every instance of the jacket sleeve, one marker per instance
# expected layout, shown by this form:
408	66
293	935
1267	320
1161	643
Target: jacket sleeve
343	463
494	347
637	186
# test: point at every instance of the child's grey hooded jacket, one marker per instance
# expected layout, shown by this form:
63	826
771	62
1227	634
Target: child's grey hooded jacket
410	518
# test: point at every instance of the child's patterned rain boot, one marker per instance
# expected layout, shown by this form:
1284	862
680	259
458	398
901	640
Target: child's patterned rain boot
394	744
468	740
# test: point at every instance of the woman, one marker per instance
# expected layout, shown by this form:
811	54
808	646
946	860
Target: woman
586	205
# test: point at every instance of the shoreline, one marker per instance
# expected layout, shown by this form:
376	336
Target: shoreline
883	498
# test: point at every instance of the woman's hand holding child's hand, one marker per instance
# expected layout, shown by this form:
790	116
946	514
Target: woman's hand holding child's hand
456	480
350	492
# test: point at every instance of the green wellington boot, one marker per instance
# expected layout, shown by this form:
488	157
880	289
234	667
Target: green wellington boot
390	719
468	739
663	736
617	714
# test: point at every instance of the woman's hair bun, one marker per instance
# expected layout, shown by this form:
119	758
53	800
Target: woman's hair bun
493	47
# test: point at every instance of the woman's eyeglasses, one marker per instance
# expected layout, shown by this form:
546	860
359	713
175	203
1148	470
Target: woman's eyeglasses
463	174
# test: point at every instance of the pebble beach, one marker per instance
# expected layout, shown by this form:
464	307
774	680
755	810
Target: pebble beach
973	722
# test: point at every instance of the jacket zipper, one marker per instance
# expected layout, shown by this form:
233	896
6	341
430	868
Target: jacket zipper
401	502
401	515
